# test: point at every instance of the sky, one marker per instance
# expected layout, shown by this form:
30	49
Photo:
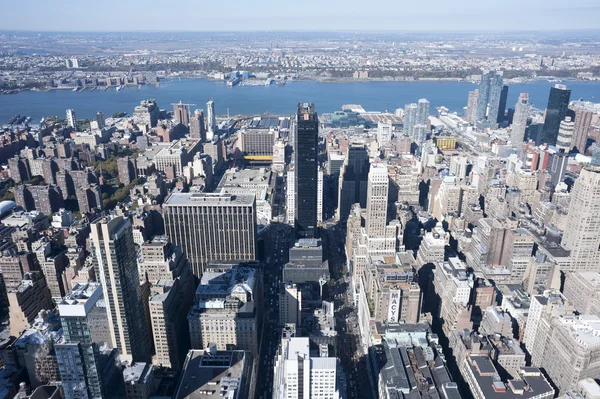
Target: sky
311	15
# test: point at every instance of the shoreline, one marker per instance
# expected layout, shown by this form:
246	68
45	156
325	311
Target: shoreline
169	80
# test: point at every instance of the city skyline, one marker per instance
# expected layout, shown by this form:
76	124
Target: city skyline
428	226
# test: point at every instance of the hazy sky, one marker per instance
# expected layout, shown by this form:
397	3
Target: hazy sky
264	15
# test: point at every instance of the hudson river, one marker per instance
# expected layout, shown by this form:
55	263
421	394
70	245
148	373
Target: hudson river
328	97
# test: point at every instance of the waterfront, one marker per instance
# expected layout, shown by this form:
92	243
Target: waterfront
328	97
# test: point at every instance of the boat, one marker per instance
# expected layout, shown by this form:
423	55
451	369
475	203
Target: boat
233	82
75	89
119	88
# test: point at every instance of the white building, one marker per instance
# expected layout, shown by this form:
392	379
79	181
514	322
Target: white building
291	197
297	375
320	196
211	120
72	118
384	133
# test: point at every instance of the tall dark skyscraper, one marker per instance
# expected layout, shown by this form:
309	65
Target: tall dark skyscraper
502	105
353	180
558	106
306	140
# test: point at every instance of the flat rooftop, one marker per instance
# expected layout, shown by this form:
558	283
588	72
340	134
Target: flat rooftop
209	199
220	374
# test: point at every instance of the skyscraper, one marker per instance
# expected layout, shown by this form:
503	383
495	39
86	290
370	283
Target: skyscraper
297	375
582	234
180	114
353	180
384	133
502	104
197	127
100	119
211	120
471	114
423	112
78	357
558	105
565	134
72	118
488	101
377	198
306	139
519	125
212	227
115	262
410	119
584	112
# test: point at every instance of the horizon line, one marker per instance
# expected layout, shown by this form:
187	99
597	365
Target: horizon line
310	30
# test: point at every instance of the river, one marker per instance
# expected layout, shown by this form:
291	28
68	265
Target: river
328	97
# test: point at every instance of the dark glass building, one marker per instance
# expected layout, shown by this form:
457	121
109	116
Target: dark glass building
306	139
558	105
502	105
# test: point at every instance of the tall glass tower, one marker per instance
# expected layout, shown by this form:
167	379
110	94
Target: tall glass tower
489	99
558	106
306	140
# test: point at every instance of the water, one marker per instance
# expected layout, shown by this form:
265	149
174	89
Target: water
328	97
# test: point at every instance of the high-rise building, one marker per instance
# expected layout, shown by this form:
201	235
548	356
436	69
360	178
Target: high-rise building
320	197
548	305
582	289
290	196
100	120
565	134
488	100
126	167
423	112
377	201
353	180
410	119
115	263
290	305
27	300
72	118
306	139
584	112
181	114
502	104
384	133
582	234
197	125
257	142
519	125
558	106
211	227
169	304
471	114
79	358
227	309
569	349
211	120
297	375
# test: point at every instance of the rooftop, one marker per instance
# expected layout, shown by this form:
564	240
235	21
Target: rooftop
138	373
208	199
207	375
